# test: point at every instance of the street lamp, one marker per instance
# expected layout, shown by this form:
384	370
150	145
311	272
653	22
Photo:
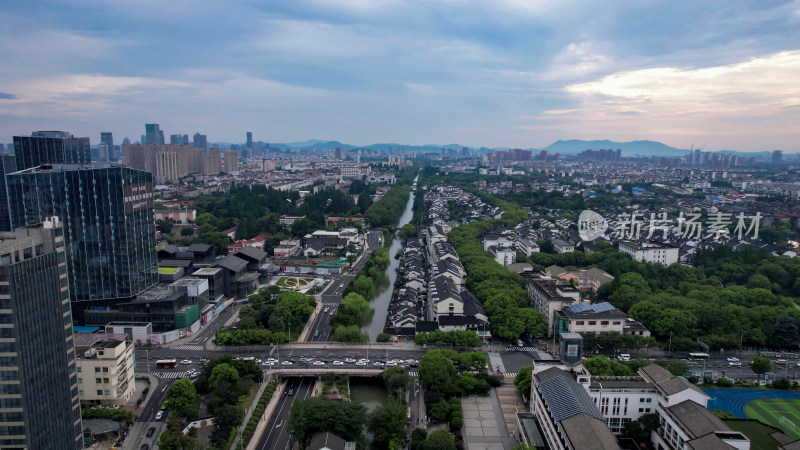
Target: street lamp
670	342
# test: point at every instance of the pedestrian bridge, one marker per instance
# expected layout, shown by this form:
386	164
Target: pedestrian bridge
318	370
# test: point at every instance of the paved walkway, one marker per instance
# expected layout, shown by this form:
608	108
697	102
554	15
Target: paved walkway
484	426
249	414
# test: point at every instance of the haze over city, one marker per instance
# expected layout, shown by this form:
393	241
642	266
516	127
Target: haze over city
495	74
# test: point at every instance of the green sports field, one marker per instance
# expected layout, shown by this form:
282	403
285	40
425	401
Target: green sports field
782	414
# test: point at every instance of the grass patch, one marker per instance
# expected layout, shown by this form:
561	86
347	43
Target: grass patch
758	433
167	270
779	413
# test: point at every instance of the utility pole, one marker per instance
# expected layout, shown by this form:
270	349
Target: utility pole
741	339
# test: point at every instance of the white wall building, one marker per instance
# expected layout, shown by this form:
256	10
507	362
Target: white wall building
105	369
650	252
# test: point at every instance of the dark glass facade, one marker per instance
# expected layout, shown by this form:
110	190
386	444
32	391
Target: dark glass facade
33	151
107	212
41	410
8	164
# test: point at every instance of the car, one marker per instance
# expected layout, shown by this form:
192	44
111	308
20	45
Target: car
732	359
734	364
144	447
286	363
258	361
379	363
781	361
234	303
341	285
325	309
624	357
194	375
186	361
291	391
350	360
391	363
150	432
160	414
306	359
412	365
338	363
318	363
362	362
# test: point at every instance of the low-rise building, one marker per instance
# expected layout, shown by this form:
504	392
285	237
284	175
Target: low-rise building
105	368
596	318
650	252
563	246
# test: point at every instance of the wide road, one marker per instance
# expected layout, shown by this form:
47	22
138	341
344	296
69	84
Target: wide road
332	296
275	436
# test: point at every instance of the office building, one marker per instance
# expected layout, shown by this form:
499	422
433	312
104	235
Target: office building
777	156
105	368
231	160
107	138
50	147
153	133
110	244
249	140
8	164
548	296
200	141
39	403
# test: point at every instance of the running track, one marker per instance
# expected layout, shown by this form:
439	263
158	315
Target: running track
734	400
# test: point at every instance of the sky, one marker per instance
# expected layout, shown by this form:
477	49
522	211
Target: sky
500	73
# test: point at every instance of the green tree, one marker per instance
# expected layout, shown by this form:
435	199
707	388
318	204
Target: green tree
760	365
439	440
383	337
187	231
787	331
222	378
388	422
418	436
297	422
350	333
523	381
182	398
173	438
344	419
440	411
437	372
228	416
355	305
639	430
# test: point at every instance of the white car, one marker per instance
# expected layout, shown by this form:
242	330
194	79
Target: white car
733	359
186	361
286	363
362	362
391	363
350	360
159	415
734	364
338	363
318	363
378	363
270	362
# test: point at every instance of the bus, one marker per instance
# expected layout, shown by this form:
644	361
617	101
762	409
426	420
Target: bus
166	363
698	356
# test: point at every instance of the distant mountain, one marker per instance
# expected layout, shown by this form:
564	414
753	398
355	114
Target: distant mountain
648	148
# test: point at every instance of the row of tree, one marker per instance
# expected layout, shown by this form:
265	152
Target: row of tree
387	210
457	338
501	291
270	317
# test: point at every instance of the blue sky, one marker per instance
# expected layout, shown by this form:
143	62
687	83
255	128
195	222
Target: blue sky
510	73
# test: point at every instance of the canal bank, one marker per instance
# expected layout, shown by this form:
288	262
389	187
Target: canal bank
384	285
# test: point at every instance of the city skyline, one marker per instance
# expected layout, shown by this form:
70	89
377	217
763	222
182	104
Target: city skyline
509	74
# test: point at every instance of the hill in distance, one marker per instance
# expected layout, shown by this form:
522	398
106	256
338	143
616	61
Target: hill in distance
650	148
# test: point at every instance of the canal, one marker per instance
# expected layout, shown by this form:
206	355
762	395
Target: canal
383	286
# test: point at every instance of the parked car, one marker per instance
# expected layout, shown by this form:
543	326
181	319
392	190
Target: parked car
160	414
150	432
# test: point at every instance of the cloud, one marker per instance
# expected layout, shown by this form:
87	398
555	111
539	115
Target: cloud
754	100
7	96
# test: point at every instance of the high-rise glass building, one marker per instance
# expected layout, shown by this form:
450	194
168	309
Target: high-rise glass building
39	396
50	147
8	164
106	137
153	133
107	212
